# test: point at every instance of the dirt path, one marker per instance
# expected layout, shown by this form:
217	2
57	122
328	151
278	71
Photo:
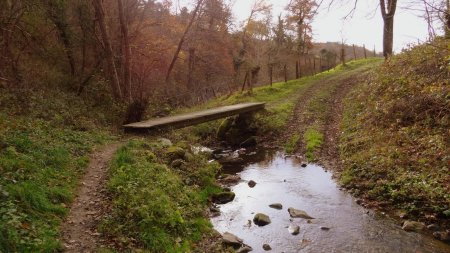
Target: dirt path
327	121
79	230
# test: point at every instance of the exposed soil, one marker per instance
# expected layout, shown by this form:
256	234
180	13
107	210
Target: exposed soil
328	156
79	230
329	153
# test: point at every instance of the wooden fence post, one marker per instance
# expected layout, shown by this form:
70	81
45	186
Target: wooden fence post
365	53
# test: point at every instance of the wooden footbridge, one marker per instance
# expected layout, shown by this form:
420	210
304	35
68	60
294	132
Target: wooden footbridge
193	118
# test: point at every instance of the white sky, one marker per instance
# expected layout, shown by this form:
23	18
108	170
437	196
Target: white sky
366	26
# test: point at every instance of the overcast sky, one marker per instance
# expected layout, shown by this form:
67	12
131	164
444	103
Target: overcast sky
366	26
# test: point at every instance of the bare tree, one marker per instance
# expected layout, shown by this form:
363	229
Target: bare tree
183	38
100	13
126	55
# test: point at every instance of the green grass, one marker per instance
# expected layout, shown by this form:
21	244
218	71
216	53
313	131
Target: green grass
313	140
39	167
395	133
291	144
158	207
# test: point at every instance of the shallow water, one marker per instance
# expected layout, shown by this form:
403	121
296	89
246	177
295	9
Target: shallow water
312	189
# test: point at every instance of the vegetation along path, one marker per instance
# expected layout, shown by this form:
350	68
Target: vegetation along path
80	228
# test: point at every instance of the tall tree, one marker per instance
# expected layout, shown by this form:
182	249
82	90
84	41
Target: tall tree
387	12
126	51
56	11
100	14
183	38
447	20
301	14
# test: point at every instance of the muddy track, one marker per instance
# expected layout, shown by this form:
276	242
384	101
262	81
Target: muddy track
329	154
79	230
298	122
340	86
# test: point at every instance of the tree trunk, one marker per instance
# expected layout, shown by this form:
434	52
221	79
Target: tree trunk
365	53
388	12
100	13
271	74
314	68
245	81
285	74
310	65
296	70
388	37
57	14
320	64
183	37
343	54
354	52
191	64
126	52
447	21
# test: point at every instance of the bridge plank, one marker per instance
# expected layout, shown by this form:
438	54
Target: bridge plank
193	118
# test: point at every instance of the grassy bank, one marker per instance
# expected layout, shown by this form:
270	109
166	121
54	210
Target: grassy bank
395	142
160	193
44	146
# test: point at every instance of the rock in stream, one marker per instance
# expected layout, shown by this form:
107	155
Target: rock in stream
295	213
261	219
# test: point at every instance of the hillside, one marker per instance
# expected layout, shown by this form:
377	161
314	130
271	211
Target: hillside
395	143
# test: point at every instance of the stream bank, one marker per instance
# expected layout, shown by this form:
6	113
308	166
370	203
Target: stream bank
339	224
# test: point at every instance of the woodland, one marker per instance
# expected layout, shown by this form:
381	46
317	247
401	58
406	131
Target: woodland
146	52
73	72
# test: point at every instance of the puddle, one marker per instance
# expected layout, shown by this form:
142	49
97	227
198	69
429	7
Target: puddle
312	189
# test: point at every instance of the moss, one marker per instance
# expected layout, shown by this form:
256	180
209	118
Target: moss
313	140
175	152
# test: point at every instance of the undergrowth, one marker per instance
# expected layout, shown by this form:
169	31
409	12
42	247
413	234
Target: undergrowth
46	136
395	142
39	167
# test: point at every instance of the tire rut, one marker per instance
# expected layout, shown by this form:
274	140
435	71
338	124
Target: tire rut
328	155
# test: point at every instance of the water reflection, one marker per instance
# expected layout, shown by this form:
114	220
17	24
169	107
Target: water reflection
283	180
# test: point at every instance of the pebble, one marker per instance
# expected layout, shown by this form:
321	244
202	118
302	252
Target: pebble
267	247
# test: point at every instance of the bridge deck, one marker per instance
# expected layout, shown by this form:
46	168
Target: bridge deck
194	118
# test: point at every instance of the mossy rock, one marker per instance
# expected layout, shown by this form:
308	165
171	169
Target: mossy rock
223	197
261	219
178	164
150	157
224	127
175	152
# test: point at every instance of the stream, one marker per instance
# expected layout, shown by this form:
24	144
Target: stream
340	225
